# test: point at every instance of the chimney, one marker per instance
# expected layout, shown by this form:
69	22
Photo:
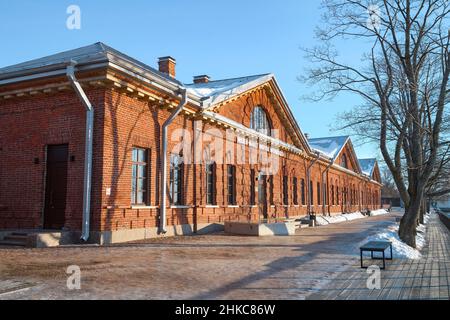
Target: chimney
167	65
201	79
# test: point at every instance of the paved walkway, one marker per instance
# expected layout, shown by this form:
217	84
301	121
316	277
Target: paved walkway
315	263
427	278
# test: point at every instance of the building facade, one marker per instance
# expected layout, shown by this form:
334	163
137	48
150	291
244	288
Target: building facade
442	203
233	151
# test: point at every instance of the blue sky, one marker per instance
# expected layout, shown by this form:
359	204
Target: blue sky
223	39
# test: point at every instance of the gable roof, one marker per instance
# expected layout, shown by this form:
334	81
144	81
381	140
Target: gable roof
368	166
331	147
214	92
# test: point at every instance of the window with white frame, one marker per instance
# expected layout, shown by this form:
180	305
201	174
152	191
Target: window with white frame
211	183
176	179
139	183
259	121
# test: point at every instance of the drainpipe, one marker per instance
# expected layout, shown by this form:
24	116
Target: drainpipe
308	178
324	185
366	194
360	197
162	208
70	72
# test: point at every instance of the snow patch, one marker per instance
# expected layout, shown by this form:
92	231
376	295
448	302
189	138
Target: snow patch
354	216
400	249
378	212
330	146
367	166
229	86
421	231
322	220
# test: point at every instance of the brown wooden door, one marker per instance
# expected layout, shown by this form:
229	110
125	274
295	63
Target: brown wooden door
56	187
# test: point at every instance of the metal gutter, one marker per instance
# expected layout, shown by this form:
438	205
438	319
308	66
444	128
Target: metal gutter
156	81
45	72
324	186
124	66
70	71
162	208
360	182
339	168
308	179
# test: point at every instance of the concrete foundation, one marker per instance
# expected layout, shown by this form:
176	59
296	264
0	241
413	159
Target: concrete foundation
44	239
260	230
119	236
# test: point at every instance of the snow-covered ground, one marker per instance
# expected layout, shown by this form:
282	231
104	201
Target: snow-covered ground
400	249
378	212
323	220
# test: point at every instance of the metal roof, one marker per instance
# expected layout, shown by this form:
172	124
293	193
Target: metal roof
213	91
97	52
367	166
329	146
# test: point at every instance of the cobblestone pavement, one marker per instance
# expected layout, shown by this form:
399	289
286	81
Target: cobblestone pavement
216	266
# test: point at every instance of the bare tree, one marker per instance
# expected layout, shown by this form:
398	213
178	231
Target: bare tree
389	188
403	81
439	183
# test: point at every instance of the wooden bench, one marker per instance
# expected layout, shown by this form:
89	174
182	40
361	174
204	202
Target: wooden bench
376	246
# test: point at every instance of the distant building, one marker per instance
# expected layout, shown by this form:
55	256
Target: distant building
392	201
442	202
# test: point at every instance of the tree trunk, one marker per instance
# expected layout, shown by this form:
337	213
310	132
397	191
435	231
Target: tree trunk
408	224
422	212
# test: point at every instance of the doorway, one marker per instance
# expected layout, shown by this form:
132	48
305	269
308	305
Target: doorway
56	187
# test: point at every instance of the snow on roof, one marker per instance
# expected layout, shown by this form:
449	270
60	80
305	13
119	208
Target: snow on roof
211	92
367	166
80	54
97	52
329	146
223	89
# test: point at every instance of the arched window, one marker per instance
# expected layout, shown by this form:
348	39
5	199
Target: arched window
259	121
344	161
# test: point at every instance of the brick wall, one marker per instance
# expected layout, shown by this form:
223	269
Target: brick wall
130	122
121	123
28	125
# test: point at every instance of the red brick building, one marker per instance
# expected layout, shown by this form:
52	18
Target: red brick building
81	151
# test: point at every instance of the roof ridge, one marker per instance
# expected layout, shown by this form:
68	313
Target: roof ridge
103	45
329	137
235	78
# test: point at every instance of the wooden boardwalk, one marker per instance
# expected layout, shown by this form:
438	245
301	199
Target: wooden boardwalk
424	279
